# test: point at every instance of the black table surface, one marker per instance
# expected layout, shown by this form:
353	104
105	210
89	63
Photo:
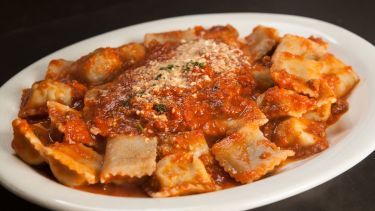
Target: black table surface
31	30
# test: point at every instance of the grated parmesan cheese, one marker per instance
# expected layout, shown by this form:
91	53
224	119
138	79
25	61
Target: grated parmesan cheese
185	68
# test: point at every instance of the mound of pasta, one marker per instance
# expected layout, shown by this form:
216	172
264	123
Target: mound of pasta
183	112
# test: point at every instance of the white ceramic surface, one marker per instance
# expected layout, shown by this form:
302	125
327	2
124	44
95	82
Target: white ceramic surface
351	139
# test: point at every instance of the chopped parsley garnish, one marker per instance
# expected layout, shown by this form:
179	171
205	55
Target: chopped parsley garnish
125	103
201	64
141	93
191	65
168	67
158	76
160	108
185	68
139	127
188	66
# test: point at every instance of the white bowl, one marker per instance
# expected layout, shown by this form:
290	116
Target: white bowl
351	139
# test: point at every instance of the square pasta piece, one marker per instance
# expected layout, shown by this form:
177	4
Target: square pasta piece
28	141
309	48
190	141
74	164
339	76
58	69
278	102
35	102
171	36
247	155
226	34
296	66
97	67
128	157
180	174
261	41
323	106
262	74
302	64
71	123
252	114
303	136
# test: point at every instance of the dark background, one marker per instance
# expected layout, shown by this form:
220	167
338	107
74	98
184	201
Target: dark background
30	30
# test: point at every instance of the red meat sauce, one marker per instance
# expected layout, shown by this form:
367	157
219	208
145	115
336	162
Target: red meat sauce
198	107
204	106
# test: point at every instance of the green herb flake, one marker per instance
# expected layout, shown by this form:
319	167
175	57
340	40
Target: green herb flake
160	108
186	68
170	66
139	127
140	93
158	76
191	65
125	103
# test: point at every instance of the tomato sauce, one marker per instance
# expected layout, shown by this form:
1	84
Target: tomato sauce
202	98
223	96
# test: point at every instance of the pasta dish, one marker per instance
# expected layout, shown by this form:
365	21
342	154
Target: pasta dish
183	112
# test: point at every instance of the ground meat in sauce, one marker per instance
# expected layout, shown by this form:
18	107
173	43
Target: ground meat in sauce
209	94
172	87
339	108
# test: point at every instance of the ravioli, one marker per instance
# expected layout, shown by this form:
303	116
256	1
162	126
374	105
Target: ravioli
321	114
226	34
183	112
301	64
262	75
304	136
340	77
132	53
221	127
98	67
295	64
70	122
261	41
191	141
277	102
181	174
26	143
172	36
47	90
58	69
74	164
127	157
247	155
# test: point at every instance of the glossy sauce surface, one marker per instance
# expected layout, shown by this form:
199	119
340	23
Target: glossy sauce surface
205	86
